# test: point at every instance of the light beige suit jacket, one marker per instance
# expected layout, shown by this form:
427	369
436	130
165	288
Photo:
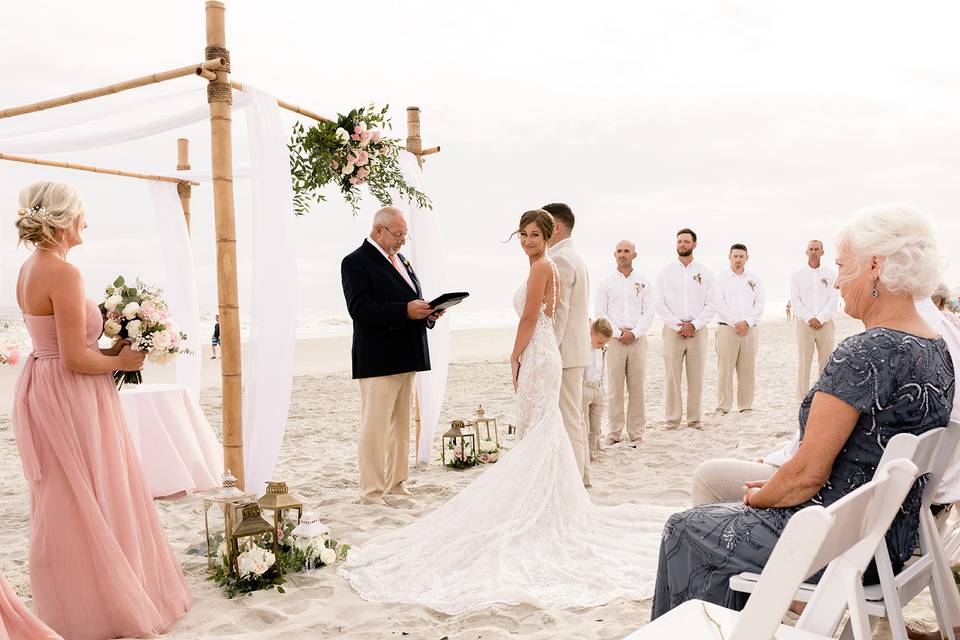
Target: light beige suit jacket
573	308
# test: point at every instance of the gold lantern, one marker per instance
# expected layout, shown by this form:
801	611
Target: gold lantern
483	423
456	436
278	499
227	497
511	431
251	525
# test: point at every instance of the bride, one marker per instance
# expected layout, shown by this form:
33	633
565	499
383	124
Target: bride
525	531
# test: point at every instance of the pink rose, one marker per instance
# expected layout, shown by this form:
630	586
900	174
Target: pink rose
334	164
355	137
354	180
375	138
358	130
362	158
363	172
365	138
484	458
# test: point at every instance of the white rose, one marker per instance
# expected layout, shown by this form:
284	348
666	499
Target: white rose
111	328
130	311
161	359
328	556
347	169
161	340
343	135
134	328
112	302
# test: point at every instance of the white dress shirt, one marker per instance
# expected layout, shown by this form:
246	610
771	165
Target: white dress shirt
812	294
627	302
739	297
685	294
403	270
596	371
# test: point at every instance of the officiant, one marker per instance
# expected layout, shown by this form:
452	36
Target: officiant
390	322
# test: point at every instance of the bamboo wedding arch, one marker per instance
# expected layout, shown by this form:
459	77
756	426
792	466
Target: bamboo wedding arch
216	70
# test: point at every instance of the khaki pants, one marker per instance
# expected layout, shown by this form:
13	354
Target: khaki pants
809	338
571	408
678	351
736	354
722	480
627	363
594	402
383	448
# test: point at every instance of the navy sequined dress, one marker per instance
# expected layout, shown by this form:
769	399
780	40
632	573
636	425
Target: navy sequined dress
899	383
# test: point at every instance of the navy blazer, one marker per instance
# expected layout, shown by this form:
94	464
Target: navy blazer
385	340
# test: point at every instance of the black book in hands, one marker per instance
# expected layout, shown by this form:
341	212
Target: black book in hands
447	300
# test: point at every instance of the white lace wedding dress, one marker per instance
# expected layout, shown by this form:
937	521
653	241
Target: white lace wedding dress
525	531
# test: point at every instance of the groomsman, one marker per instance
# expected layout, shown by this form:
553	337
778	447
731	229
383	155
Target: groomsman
570	323
685	301
625	298
740	299
390	322
813	300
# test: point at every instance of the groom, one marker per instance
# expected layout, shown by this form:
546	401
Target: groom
570	323
390	322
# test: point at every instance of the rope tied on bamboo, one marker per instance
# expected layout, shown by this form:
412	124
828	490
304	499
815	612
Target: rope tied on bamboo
219	92
212	53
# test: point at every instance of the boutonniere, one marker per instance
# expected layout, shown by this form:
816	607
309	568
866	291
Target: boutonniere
825	282
637	288
698	278
753	285
603	348
404	261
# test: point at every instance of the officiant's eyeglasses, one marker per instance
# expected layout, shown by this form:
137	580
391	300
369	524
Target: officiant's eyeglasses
400	235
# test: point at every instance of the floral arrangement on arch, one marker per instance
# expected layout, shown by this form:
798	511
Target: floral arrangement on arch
139	314
257	563
351	152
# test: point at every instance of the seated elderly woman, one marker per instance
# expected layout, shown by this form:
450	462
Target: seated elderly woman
894	377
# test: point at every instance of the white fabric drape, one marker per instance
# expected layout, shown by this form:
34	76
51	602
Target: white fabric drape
181	290
426	256
273	303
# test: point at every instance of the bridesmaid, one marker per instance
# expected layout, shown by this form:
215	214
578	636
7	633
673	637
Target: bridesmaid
100	566
16	621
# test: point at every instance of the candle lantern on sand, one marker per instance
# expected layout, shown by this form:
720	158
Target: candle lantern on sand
460	444
278	499
484	424
310	534
251	525
227	498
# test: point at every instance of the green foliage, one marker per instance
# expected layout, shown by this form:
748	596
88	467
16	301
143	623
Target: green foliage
322	154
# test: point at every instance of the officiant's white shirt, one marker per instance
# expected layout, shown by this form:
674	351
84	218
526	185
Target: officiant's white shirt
739	297
627	302
812	294
685	294
403	271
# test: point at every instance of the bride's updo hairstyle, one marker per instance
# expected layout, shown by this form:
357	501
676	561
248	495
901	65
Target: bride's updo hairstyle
542	219
44	208
912	261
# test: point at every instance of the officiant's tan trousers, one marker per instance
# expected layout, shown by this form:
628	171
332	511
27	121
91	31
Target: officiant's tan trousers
626	367
736	354
571	409
809	338
383	448
679	353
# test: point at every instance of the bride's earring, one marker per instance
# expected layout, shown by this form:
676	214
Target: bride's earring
876	292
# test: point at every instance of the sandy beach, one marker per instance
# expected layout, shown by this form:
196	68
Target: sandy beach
318	460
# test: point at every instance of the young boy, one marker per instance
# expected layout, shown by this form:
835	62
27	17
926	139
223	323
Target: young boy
595	383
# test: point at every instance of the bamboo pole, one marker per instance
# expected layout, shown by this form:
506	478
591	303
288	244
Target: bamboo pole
219	95
206	74
142	81
83	167
184	190
289	106
414	142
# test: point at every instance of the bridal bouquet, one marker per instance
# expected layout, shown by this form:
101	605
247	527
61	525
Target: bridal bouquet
9	346
350	152
139	314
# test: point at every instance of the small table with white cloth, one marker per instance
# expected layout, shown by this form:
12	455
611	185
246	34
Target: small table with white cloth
177	448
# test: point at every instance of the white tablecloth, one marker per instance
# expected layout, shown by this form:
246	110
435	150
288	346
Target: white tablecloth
177	448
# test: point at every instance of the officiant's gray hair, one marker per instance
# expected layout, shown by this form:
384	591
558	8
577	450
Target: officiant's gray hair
385	216
44	208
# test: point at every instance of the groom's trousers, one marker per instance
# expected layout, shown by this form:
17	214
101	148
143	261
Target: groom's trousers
679	353
571	408
383	448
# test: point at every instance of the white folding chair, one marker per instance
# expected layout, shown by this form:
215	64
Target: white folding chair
845	535
930	452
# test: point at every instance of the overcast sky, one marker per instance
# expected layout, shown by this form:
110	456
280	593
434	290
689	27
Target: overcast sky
766	122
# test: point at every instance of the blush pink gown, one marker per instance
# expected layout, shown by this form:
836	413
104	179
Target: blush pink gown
100	566
16	621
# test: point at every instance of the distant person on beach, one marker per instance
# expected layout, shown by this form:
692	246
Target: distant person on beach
625	299
685	302
215	340
813	300
390	322
740	300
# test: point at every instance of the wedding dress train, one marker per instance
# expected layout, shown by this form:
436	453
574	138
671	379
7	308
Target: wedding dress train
525	531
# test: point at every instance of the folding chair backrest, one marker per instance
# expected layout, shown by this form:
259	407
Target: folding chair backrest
846	532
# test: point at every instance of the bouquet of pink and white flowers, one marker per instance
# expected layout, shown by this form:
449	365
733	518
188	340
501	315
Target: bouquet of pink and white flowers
139	314
9	346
